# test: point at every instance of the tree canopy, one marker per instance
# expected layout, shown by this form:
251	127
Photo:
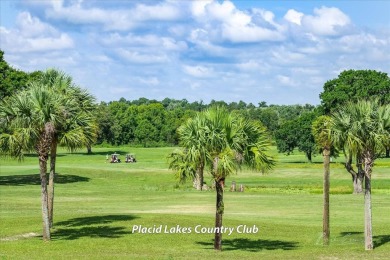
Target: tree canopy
13	80
297	133
352	85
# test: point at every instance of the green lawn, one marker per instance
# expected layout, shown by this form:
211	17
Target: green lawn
97	204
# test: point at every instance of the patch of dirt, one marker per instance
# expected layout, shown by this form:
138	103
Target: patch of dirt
18	237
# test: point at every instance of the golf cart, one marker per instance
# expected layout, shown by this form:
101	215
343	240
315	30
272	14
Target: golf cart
115	158
130	158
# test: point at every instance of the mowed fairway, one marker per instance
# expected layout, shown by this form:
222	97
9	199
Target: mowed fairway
98	203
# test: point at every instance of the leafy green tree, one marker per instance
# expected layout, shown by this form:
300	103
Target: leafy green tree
13	80
226	141
353	85
287	137
297	134
321	133
105	122
362	128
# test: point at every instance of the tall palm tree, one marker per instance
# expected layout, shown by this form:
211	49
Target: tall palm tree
321	133
78	127
225	142
363	128
30	118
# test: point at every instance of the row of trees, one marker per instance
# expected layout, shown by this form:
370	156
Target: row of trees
360	129
147	122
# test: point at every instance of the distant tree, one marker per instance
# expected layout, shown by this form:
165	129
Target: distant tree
105	121
263	104
221	103
287	137
362	128
297	134
306	142
269	118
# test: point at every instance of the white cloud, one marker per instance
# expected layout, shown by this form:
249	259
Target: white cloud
149	40
231	24
142	58
250	65
238	34
32	35
152	81
326	21
32	27
198	7
161	12
286	81
121	19
198	71
293	16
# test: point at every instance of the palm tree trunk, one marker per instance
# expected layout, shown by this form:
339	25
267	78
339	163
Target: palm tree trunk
53	156
325	226
368	162
45	216
219	184
43	148
201	176
198	182
358	183
357	177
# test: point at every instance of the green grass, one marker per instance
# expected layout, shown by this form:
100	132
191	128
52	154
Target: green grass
97	204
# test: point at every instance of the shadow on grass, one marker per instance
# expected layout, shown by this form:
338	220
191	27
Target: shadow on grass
120	152
359	236
252	245
34	155
381	240
34	179
302	162
92	227
94	220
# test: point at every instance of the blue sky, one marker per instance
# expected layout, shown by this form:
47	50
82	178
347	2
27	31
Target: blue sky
281	52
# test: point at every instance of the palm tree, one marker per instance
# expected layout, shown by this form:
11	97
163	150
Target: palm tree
78	127
180	161
225	142
30	118
321	133
363	128
192	137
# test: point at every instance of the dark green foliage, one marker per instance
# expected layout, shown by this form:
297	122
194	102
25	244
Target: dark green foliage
297	134
352	85
13	80
148	123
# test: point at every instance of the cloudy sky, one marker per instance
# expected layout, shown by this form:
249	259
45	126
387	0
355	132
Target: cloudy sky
281	52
